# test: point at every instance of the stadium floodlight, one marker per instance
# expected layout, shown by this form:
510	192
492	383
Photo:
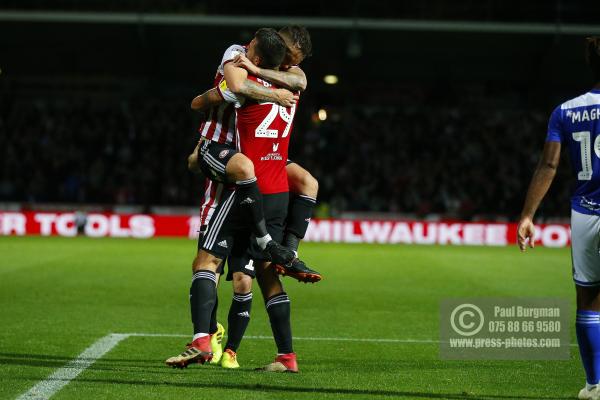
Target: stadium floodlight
330	79
322	114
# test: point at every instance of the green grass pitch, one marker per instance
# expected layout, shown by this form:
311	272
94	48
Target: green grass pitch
59	295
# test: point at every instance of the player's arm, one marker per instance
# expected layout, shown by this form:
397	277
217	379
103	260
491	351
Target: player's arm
206	100
250	89
292	79
258	92
540	183
238	82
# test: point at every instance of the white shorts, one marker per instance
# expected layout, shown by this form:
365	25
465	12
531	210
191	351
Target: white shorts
585	248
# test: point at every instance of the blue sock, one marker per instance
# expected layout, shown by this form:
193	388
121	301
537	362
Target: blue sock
588	336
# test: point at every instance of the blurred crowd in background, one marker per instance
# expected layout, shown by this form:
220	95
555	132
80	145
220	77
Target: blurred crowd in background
73	151
435	110
466	155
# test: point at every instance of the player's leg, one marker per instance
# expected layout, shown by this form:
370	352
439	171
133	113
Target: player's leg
203	293
239	311
277	301
240	169
303	198
216	330
277	304
303	194
587	327
225	164
585	232
240	270
215	245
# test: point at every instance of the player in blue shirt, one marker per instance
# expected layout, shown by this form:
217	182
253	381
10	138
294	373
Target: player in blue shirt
576	124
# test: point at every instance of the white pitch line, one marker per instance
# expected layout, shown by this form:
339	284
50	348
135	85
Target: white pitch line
46	388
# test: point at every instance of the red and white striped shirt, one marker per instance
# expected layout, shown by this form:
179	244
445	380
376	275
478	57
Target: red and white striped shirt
212	195
219	127
220	123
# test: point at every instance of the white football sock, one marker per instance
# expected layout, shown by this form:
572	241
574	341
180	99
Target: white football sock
262	241
199	335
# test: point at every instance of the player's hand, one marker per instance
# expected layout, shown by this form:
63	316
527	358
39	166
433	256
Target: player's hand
242	61
192	161
525	233
285	97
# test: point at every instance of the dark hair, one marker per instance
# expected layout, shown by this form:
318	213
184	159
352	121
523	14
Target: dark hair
270	47
592	55
300	38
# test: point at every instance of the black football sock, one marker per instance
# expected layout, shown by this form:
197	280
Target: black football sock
278	308
213	317
299	214
238	319
292	242
203	294
250	199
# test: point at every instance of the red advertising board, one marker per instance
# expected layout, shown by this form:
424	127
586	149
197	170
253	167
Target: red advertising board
324	230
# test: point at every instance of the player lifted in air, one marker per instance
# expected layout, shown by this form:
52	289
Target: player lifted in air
576	125
219	129
219	160
229	234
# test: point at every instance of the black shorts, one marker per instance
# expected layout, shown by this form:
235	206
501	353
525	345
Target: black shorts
229	233
201	232
275	207
243	264
212	159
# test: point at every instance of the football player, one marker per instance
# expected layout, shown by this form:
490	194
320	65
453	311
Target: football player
227	231
218	159
576	125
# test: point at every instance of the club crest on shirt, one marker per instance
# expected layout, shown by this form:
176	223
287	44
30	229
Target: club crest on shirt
223	153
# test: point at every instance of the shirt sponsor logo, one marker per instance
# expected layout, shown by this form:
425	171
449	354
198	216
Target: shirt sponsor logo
272	157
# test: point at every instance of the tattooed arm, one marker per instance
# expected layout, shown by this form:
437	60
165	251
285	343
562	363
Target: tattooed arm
292	79
238	83
253	90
